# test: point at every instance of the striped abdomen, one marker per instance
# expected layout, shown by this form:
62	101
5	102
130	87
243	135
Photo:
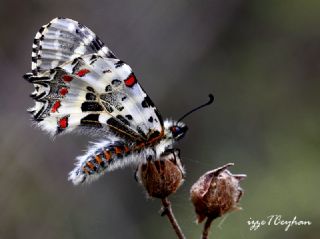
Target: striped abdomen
105	157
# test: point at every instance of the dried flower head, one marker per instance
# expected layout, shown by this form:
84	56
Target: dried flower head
216	193
162	177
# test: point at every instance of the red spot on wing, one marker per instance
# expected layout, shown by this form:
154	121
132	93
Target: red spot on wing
130	81
82	72
55	106
63	122
63	91
67	78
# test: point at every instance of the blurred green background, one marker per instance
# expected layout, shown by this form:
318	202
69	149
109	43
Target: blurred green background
261	59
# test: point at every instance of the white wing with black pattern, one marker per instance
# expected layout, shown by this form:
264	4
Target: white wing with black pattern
62	40
79	84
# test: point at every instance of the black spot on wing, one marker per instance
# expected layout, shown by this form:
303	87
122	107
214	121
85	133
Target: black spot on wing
119	107
99	41
35	41
111	55
89	88
118	64
106	71
93	59
75	61
91	106
159	116
150	119
147	102
123	98
76	65
41	30
91	120
37	116
107	101
36	79
153	135
37	97
96	44
108	88
123	120
108	108
120	128
90	96
144	104
129	117
116	82
140	131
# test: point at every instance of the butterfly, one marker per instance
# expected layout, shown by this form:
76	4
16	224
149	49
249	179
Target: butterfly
81	86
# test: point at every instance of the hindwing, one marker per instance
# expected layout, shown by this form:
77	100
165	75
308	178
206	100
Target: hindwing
61	40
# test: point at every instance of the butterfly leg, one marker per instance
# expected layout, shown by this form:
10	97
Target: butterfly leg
176	159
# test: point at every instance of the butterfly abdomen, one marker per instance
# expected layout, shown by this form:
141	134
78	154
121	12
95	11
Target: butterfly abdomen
96	163
104	158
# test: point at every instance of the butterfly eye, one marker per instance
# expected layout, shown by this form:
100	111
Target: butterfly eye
178	132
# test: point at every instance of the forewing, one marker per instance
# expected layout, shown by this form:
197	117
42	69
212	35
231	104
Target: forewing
94	92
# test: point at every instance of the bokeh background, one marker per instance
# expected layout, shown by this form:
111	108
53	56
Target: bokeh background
261	59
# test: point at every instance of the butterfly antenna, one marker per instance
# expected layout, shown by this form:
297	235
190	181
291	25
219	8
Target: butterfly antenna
211	99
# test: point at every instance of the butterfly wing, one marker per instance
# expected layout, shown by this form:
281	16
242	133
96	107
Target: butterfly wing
91	93
62	40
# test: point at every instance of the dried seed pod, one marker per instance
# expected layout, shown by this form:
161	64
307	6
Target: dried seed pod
161	177
216	193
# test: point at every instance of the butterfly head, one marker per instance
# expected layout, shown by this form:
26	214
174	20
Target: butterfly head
175	130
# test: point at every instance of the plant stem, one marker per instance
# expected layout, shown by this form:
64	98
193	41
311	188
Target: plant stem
206	228
167	210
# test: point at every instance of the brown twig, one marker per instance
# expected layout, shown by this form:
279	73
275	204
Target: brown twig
167	210
206	228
